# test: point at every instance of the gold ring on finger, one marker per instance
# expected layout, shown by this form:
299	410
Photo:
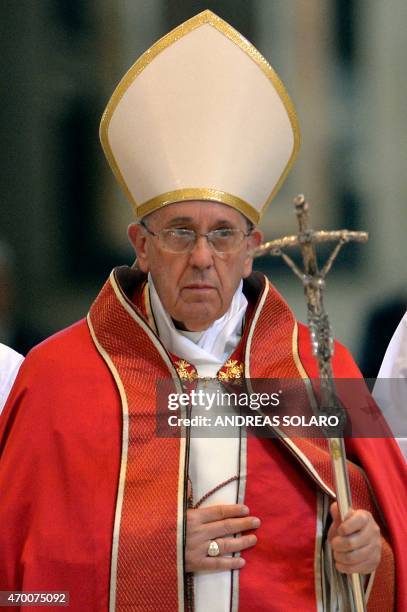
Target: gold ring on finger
213	549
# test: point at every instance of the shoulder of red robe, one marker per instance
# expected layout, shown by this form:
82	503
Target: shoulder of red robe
60	442
54	372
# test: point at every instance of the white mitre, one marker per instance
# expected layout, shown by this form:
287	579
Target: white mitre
201	115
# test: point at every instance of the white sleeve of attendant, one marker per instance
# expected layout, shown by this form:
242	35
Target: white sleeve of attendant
392	397
10	362
395	360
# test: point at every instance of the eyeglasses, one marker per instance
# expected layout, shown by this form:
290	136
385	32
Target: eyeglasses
180	240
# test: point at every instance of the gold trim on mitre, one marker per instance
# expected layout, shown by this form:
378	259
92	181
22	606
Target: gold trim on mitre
191	194
201	193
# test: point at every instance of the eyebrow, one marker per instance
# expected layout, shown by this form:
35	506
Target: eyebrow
180	220
191	220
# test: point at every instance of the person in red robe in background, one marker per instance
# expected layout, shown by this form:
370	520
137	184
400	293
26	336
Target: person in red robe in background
95	502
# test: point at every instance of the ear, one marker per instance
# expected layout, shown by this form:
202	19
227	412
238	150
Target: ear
254	240
138	240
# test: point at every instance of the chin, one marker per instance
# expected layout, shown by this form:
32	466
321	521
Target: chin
201	319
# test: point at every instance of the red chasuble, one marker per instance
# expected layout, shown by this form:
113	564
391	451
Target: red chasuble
93	502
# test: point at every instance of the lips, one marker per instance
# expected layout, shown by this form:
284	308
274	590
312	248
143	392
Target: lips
199	286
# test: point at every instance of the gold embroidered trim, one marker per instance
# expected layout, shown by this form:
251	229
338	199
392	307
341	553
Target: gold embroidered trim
184	371
188	194
232	370
123	465
183	446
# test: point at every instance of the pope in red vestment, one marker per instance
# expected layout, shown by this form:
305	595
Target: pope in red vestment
200	133
93	502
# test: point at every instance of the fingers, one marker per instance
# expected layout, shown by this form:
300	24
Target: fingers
233	545
355	542
352	542
231	526
336	521
224	511
227	521
335	513
361	561
216	523
217	564
197	559
354	522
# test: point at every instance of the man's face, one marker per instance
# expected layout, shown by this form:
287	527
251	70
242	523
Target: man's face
195	287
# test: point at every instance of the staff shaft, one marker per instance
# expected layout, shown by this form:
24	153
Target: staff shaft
322	343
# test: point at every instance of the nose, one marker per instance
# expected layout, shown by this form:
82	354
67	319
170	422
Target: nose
201	255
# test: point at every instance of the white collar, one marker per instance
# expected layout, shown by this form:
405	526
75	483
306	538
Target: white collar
206	350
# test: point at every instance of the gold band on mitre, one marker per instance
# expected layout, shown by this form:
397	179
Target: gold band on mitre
201	115
194	194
